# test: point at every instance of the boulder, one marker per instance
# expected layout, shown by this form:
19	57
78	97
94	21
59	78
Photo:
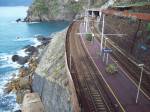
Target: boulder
31	50
24	83
15	58
20	94
32	103
8	88
17	111
44	40
18	20
19	59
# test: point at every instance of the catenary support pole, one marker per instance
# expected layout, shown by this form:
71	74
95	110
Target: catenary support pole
107	58
104	55
102	37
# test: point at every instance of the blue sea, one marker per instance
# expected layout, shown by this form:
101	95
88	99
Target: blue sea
10	45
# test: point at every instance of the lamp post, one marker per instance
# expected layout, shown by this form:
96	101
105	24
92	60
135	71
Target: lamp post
139	86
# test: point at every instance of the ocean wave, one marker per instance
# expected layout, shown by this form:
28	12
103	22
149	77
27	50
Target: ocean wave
5	78
7	60
7	101
5	57
12	65
36	42
22	53
18	39
33	22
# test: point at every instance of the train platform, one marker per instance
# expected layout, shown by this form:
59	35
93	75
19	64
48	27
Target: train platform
120	85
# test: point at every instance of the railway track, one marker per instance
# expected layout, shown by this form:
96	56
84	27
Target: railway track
92	94
129	66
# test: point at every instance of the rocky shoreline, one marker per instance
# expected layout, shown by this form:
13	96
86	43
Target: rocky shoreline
21	83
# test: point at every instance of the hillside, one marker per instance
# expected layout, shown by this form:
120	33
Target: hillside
45	10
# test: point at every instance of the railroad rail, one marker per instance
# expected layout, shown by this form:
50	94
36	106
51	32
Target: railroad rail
129	65
92	94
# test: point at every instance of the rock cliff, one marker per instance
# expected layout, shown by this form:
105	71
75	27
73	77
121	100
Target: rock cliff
46	10
50	79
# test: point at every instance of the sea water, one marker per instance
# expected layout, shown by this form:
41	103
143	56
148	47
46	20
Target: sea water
10	45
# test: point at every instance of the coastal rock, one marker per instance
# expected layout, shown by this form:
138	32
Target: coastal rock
31	50
15	58
24	83
8	88
20	95
17	111
23	72
32	103
12	86
44	40
18	20
19	59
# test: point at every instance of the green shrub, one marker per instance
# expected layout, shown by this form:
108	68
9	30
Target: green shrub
89	37
111	68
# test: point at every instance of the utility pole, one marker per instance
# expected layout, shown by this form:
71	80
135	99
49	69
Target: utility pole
102	37
104	47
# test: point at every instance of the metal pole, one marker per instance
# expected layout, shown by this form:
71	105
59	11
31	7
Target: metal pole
92	14
87	16
86	23
137	96
104	57
93	38
107	58
104	53
100	15
102	34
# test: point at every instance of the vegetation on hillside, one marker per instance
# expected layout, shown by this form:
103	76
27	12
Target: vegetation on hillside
43	8
132	3
54	7
75	6
40	6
